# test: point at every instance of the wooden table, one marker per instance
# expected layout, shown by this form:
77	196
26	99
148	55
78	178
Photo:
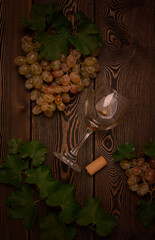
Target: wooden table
127	29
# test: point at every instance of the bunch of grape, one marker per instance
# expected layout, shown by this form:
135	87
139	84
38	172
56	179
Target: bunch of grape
141	174
53	82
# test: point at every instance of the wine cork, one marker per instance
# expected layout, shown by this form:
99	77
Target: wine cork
96	165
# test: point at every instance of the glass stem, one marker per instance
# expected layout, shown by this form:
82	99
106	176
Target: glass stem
75	150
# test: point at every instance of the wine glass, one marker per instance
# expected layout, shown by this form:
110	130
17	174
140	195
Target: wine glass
104	109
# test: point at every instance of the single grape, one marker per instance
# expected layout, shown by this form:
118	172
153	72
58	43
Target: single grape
76	68
86	81
48	114
48	89
37	81
57	89
29	75
73	89
71	61
84	73
65	80
61	106
65	89
29	83
27	39
90	61
39	101
57	73
64	67
134	187
35	94
80	86
66	98
93	75
97	67
58	99
132	180
124	164
55	65
36	68
32	57
52	107
36	46
75	53
45	65
44	106
20	60
150	174
58	81
90	69
27	47
63	58
137	170
24	69
143	189
128	172
47	76
74	77
152	163
48	98
140	162
36	110
144	166
133	162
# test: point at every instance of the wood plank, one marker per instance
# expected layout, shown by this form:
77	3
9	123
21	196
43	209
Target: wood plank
127	30
63	131
14	101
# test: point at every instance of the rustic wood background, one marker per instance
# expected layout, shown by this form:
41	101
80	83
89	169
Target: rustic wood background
127	64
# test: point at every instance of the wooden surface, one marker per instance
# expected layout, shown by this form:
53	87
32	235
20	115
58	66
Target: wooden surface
127	64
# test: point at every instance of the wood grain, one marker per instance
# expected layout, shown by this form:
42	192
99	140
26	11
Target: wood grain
128	65
15	106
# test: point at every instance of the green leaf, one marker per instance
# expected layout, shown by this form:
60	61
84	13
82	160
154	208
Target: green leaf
22	206
149	149
13	146
146	212
92	213
87	38
124	151
52	46
53	229
64	197
10	171
43	179
35	150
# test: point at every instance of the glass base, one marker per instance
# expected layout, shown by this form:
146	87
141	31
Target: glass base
68	161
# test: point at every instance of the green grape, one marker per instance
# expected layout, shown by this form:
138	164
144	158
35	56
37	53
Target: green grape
29	83
44	106
27	47
48	98
74	77
48	89
143	189
93	75
27	39
36	68
132	180
20	60
37	81
90	69
35	94
45	65
48	114
128	172
65	80
52	107
36	110
57	73
64	67
29	75
134	187
24	69
71	61
124	164
61	106
39	101
58	99
57	89
55	65
32	57
90	61
65	98
47	76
